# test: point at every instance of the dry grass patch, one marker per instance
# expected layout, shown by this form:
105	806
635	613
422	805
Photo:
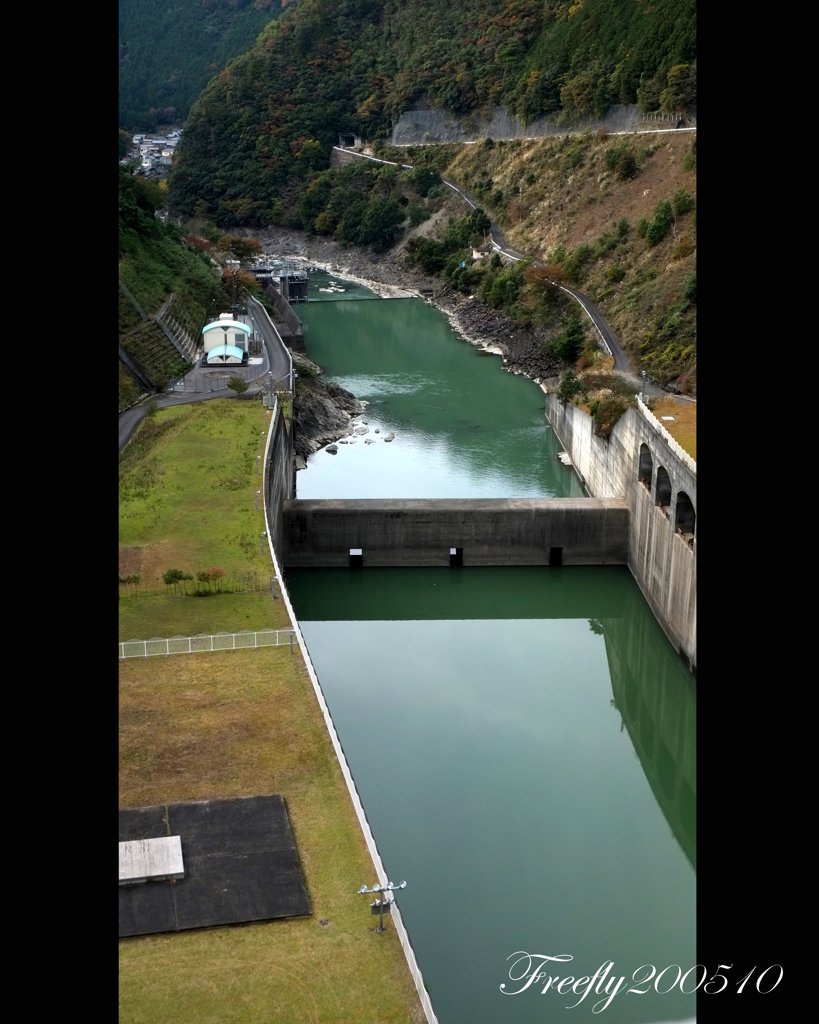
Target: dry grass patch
231	724
684	427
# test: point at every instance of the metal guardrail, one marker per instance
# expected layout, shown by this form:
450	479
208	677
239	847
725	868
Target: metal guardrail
215	642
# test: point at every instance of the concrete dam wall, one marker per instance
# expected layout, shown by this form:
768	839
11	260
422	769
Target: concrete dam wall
502	531
641	464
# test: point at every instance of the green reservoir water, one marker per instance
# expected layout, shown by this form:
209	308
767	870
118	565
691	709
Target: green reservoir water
464	428
523	739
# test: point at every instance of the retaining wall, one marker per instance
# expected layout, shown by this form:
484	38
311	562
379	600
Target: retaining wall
278	477
399	532
294	336
422	127
662	560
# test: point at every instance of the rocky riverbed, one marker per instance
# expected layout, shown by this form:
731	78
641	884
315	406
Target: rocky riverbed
324	410
388	274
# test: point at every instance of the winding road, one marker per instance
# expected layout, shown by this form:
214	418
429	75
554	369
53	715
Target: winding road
622	364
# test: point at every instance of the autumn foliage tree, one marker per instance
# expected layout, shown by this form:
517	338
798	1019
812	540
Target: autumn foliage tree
242	249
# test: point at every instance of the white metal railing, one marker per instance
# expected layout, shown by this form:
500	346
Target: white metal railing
215	642
675	447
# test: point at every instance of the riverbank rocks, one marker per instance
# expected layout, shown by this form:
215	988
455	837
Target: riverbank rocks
323	412
521	347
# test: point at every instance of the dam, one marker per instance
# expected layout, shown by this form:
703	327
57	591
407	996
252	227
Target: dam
522	735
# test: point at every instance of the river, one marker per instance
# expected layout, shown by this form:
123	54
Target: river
523	739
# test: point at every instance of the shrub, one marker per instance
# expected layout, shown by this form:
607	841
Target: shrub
576	262
569	342
570	387
615	154
690	289
423	179
615	273
684	202
417	214
238	384
683	248
626	166
659	226
607	412
173	577
642	227
690	160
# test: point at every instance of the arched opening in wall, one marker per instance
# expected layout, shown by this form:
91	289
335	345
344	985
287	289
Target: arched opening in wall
645	467
685	518
663	494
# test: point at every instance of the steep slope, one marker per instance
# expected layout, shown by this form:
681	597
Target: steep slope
618	216
155	265
354	65
168	52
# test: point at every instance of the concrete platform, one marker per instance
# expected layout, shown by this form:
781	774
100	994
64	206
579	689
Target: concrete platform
141	860
240	863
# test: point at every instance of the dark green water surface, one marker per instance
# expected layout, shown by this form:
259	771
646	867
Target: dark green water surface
464	428
523	739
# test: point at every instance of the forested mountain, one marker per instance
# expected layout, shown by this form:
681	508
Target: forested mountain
169	49
327	66
155	263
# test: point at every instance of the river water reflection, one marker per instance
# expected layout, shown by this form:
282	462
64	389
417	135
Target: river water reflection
523	739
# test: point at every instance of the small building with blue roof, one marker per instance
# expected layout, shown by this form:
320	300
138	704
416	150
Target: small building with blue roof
226	341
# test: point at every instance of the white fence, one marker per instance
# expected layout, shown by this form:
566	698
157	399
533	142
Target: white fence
216	642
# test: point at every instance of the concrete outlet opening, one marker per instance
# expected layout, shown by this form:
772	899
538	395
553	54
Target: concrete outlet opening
456	557
555	556
686	517
645	467
663	497
356	558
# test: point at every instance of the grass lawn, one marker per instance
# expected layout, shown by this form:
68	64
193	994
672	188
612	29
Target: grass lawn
239	723
141	618
187	498
202	726
684	426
